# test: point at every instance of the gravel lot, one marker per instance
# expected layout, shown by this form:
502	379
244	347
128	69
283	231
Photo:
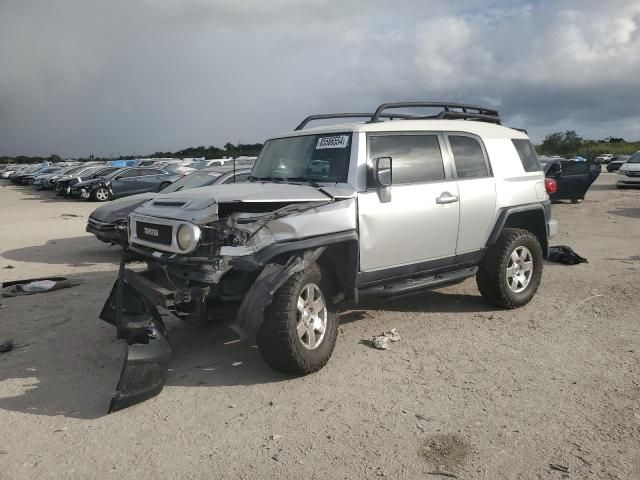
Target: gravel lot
469	390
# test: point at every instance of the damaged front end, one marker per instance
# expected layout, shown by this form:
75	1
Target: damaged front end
242	253
137	320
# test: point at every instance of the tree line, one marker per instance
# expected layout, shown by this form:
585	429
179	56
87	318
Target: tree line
570	144
229	150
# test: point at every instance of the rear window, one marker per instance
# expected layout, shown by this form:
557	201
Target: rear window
527	155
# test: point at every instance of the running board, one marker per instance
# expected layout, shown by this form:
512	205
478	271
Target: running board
422	283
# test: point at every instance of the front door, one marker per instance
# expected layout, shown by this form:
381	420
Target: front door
415	229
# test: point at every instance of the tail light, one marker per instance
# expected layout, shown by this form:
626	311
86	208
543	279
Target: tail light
550	185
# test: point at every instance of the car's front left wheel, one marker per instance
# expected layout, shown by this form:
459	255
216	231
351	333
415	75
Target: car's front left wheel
101	194
300	326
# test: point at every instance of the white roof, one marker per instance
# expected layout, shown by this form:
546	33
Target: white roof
482	129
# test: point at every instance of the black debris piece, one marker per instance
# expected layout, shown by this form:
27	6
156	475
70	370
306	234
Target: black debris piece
6	346
565	255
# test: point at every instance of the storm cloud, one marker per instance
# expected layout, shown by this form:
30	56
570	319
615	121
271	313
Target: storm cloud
138	76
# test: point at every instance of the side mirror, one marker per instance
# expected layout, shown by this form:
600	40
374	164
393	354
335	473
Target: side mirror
382	171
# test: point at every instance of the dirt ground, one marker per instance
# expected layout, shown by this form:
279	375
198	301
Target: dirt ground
469	391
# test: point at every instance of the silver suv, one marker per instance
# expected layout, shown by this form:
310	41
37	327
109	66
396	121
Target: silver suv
398	203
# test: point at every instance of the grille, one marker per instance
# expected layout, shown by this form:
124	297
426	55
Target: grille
147	232
633	173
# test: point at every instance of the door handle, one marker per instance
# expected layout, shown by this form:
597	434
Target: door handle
446	197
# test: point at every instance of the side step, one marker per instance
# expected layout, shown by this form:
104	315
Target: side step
422	283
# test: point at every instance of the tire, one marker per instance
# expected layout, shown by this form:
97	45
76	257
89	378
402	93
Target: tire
495	284
278	340
575	200
163	186
101	195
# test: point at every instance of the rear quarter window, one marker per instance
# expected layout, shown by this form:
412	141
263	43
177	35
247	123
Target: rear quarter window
527	155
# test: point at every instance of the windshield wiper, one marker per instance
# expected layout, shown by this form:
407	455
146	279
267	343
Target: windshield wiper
303	179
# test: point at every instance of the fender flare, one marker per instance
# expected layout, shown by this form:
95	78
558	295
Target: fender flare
260	295
506	213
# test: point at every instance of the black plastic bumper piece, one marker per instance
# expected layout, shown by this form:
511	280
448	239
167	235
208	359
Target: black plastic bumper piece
133	312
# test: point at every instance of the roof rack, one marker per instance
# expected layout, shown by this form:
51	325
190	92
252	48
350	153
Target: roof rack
327	116
451	111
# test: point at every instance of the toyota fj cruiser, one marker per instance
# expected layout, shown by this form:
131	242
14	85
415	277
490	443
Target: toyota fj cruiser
331	214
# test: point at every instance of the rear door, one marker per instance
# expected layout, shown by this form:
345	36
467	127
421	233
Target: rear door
477	190
575	179
149	180
125	183
416	230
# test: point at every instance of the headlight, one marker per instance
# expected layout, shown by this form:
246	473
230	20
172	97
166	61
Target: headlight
621	172
187	236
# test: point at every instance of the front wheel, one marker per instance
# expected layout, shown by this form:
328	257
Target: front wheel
163	186
301	325
510	272
101	194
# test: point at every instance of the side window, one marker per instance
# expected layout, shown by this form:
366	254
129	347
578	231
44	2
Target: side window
527	155
151	171
468	157
570	167
128	173
416	158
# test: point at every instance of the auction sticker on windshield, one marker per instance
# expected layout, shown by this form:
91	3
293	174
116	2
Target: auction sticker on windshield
337	141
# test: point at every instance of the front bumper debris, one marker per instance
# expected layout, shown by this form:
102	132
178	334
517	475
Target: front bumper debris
131	308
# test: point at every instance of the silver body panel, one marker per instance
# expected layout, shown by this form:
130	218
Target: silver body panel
413	226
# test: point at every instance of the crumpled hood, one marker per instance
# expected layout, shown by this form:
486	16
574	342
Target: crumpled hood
120	209
200	204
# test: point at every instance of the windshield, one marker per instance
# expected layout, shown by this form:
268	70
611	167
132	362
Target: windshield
193	180
322	158
635	158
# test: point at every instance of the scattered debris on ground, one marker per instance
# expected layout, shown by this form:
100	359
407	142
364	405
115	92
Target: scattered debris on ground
9	266
565	255
6	346
37	285
559	468
70	215
381	342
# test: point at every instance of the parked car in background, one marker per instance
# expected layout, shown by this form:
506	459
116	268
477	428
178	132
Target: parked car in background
65	184
128	181
25	177
109	222
573	178
616	162
629	172
46	181
603	158
36	179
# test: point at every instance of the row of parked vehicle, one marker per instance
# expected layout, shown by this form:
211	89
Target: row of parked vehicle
129	186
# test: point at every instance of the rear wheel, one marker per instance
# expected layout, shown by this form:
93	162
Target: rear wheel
164	185
301	325
510	272
101	194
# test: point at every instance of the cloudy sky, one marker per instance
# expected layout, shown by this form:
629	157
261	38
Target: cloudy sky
137	76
